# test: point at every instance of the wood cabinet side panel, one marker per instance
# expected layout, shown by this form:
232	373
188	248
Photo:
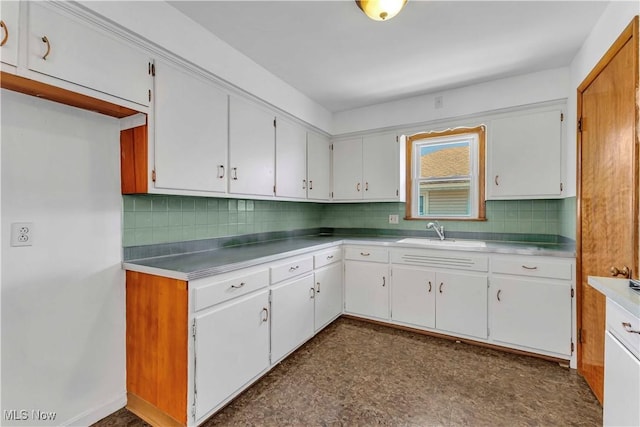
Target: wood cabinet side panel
133	160
157	334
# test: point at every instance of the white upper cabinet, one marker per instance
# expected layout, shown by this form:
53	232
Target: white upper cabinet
291	159
525	156
318	167
9	16
66	48
191	138
347	169
251	148
368	168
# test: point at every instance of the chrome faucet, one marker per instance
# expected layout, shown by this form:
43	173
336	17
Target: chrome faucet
438	229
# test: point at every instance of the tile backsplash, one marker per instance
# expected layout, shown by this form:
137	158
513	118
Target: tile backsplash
149	219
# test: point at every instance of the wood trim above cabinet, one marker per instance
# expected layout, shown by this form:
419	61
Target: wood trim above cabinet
52	93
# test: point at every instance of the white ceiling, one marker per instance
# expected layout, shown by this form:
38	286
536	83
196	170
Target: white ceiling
330	51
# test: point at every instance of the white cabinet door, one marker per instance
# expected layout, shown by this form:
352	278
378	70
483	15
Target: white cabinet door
366	289
525	156
66	48
413	296
328	300
191	121
291	160
291	316
621	385
231	348
347	169
380	165
533	313
10	14
318	167
251	148
461	304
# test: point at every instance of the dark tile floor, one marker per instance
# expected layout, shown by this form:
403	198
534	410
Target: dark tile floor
355	373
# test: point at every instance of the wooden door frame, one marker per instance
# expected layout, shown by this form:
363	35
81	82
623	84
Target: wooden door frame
630	33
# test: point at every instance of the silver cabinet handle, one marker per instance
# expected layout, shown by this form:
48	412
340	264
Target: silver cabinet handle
265	311
440	288
530	268
366	186
384	281
221	168
365	253
498	294
429	286
627	327
310	184
358	187
318	287
313	292
304	184
46	41
329	256
294	268
238	286
496	180
235	174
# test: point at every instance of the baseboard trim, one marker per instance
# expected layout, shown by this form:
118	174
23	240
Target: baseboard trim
96	414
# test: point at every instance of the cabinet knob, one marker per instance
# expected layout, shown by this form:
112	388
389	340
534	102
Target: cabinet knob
46	41
625	272
6	33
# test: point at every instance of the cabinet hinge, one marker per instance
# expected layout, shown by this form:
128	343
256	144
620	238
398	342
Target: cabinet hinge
488	332
193	329
274	189
580	124
149	63
562	117
397	193
572	347
274	123
149	95
331	147
397	139
153	175
332	194
561	187
572	293
193	410
580	336
153	70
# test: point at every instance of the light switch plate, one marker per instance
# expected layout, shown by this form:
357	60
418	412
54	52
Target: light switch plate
393	219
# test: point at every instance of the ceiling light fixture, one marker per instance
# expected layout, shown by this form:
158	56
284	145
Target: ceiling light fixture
381	10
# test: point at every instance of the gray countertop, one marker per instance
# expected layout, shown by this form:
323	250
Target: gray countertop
618	291
196	265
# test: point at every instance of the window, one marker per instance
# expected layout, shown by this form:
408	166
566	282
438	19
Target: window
445	179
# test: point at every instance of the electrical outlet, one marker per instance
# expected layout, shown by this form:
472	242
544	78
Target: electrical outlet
393	219
22	234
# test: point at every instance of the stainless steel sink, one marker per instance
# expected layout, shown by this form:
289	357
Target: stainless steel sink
446	242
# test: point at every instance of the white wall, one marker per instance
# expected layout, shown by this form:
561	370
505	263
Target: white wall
497	94
63	299
613	21
164	26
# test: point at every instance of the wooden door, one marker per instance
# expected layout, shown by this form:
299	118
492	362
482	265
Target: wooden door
607	190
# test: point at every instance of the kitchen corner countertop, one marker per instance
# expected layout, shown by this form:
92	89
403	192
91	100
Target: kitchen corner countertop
197	265
618	291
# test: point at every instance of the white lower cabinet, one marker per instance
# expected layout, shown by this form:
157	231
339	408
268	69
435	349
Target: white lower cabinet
231	348
531	313
366	290
413	296
328	299
292	320
450	302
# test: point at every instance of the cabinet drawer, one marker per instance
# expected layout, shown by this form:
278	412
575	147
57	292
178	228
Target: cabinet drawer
619	323
219	291
291	268
327	257
534	267
366	254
